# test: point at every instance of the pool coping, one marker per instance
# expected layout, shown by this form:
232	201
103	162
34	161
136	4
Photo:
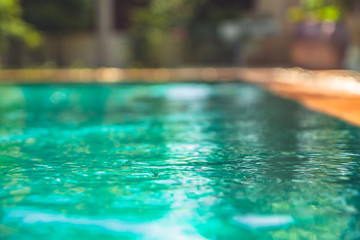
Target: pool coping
333	92
325	81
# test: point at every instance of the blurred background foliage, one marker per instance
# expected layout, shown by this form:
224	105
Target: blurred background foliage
157	33
164	29
158	27
320	10
13	26
59	15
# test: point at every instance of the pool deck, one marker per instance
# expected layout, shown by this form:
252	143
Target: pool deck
335	92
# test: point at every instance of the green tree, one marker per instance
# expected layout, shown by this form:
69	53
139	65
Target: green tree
13	27
320	10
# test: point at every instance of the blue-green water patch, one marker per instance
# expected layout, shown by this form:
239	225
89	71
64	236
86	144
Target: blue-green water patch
173	161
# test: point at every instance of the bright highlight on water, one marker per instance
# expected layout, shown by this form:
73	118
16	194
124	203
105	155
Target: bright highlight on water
173	161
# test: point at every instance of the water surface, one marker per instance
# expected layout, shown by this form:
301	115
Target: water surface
173	161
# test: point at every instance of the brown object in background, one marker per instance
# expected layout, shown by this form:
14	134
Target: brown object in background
319	45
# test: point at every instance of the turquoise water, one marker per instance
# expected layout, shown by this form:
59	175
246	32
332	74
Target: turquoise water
173	161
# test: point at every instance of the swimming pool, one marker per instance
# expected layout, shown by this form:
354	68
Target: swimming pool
173	161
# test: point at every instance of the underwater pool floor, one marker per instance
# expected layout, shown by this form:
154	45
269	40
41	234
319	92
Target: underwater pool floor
173	161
